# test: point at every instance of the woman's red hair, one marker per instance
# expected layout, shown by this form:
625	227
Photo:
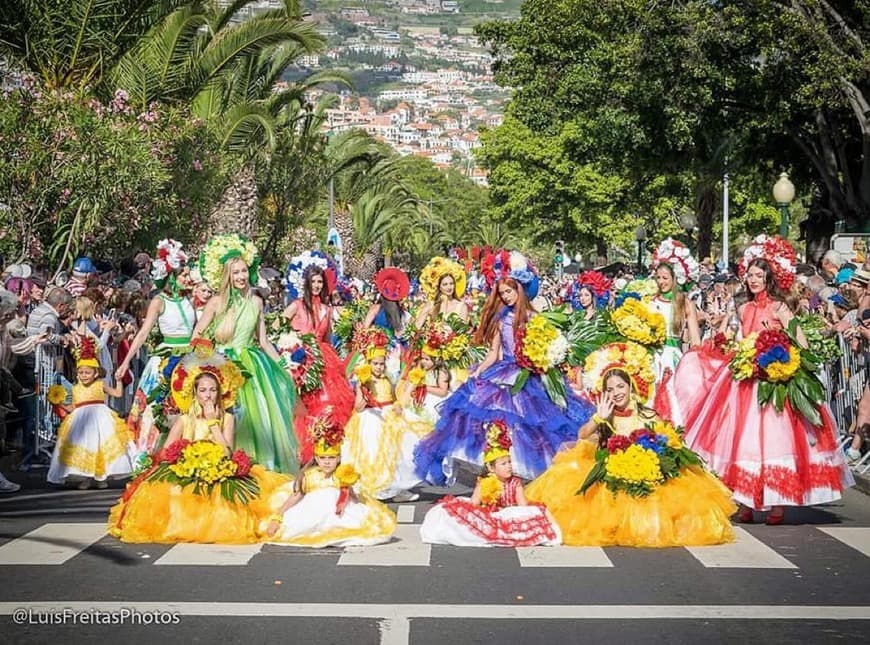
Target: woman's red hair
489	318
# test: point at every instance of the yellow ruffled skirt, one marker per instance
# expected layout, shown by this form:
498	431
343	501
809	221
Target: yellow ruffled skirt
162	512
690	510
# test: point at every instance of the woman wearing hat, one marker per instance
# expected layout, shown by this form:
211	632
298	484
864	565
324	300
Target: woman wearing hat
539	425
388	315
173	313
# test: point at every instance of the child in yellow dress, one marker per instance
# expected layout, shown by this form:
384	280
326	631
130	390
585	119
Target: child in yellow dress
168	503
321	508
93	443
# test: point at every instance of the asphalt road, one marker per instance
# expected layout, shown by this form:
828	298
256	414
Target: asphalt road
65	581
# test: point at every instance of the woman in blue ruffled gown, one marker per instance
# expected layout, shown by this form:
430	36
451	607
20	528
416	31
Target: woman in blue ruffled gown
538	426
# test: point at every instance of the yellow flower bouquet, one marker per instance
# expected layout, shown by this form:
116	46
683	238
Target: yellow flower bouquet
541	348
490	490
346	475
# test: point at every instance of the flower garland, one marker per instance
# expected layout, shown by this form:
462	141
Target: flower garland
638	322
641	462
778	253
205	466
541	348
222	248
785	372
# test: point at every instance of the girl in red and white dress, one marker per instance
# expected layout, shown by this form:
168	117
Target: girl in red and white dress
497	514
769	459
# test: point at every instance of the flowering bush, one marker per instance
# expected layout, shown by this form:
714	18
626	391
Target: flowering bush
785	372
205	466
641	462
541	348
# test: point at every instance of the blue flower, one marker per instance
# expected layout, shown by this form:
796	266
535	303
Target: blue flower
626	295
776	354
651	442
298	355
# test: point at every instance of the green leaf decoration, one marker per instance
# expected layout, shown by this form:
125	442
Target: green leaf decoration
518	385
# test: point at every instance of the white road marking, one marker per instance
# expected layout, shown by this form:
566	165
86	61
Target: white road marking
405	514
232	555
856	537
563	556
747	552
408	551
53	543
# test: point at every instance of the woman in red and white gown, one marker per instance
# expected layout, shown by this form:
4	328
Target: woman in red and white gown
769	459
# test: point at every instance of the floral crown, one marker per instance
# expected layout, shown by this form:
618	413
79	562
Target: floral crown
502	264
673	252
86	352
327	436
371	338
598	283
778	253
169	258
299	268
498	440
437	268
223	248
184	376
629	357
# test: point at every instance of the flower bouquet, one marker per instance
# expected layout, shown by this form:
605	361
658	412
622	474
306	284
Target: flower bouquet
350	317
205	466
541	348
57	396
641	462
636	321
491	490
449	340
417	379
302	357
785	372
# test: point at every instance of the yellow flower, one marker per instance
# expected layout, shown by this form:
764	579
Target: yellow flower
635	464
56	394
490	490
668	430
637	322
346	475
363	372
417	376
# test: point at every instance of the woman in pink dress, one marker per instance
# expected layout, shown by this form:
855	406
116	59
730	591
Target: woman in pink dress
312	314
769	459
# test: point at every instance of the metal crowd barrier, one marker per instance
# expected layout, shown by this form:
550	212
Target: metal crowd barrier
846	378
46	420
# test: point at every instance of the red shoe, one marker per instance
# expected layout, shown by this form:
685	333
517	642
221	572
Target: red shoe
775	519
745	515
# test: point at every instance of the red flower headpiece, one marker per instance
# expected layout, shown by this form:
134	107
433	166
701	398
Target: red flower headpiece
778	253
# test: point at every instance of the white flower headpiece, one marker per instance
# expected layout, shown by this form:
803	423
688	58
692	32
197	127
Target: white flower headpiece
675	253
169	258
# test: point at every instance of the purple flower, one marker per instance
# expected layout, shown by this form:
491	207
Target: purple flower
197	166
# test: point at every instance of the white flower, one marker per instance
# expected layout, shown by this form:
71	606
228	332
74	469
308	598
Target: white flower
518	261
158	270
288	341
557	351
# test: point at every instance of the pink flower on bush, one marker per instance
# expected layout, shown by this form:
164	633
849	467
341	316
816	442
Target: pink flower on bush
197	166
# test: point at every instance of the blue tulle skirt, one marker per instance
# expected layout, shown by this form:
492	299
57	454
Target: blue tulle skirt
538	426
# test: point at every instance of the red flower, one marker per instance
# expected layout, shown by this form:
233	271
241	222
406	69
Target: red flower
243	463
180	375
617	442
172	453
595	280
639	434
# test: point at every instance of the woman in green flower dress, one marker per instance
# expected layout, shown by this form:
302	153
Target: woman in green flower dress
232	323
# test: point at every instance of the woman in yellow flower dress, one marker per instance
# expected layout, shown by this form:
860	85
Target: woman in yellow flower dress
380	440
322	507
691	509
165	512
93	443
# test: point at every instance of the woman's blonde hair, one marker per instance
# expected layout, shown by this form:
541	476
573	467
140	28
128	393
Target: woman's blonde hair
224	331
680	302
85	308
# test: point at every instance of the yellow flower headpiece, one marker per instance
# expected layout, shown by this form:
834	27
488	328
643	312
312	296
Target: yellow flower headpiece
375	352
191	366
437	268
327	436
86	353
220	250
632	358
430	351
498	441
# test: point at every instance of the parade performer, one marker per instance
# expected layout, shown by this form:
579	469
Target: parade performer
497	514
389	316
761	421
233	318
93	443
323	506
152	414
310	283
380	441
630	480
202	292
589	294
426	386
198	489
675	269
509	384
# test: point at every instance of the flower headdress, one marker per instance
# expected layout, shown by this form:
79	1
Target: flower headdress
299	268
377	346
778	253
223	248
629	357
502	264
685	267
437	268
169	258
86	353
598	283
191	366
327	436
498	441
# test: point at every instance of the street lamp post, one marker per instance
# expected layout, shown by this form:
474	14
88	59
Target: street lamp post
688	222
640	236
783	193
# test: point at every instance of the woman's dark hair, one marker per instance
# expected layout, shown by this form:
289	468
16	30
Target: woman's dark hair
306	291
769	281
394	313
605	431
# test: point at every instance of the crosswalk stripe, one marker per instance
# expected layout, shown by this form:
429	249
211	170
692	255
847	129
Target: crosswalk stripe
232	555
563	556
405	514
53	543
408	551
856	537
746	552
